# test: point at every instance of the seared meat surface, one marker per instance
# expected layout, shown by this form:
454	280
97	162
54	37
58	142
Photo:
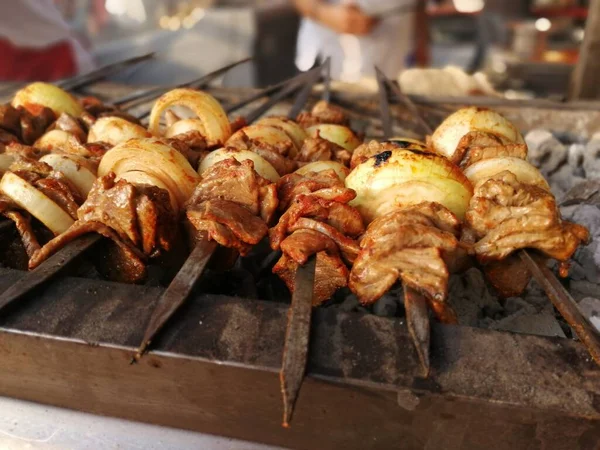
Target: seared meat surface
507	215
276	155
71	125
322	112
325	184
413	244
139	219
479	153
319	149
232	204
318	222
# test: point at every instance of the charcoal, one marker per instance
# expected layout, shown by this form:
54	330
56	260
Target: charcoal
471	299
581	289
591	159
590	307
545	151
587	192
538	324
575	155
386	306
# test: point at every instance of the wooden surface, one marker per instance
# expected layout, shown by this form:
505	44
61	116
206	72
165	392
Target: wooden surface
584	83
214	370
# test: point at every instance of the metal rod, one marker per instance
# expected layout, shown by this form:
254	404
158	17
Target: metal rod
326	96
295	350
267	91
177	292
185	280
565	304
140	97
412	108
417	319
47	270
103	72
417	315
302	96
286	91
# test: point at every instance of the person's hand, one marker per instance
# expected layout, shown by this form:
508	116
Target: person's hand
345	19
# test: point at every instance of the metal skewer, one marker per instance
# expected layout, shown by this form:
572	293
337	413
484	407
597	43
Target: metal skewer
185	280
297	336
79	81
49	269
565	304
558	295
139	97
103	72
417	314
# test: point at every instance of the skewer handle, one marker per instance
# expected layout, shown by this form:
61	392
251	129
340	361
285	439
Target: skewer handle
295	350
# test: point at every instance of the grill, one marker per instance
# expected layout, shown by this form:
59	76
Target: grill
215	366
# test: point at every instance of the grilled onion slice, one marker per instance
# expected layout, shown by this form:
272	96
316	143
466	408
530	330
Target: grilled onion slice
341	170
481	171
45	94
77	173
114	130
35	202
211	122
61	141
156	158
446	137
262	167
338	134
293	130
398	178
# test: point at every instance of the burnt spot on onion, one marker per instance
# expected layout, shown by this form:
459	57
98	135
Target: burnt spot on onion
382	157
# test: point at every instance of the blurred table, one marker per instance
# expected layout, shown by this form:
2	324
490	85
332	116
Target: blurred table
25	425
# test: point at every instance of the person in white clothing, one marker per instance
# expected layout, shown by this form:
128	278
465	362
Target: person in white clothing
357	36
37	43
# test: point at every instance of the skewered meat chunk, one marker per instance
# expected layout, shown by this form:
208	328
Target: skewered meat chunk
322	112
22	221
331	274
507	215
479	153
317	222
414	244
319	149
70	124
273	154
139	219
325	184
232	204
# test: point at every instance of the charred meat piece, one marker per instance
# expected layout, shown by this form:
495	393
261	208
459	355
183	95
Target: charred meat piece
414	245
10	119
273	154
25	151
325	184
479	153
319	149
331	274
316	224
35	125
507	215
121	261
323	112
70	124
139	219
60	192
232	204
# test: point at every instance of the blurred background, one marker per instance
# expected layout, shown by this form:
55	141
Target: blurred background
512	42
